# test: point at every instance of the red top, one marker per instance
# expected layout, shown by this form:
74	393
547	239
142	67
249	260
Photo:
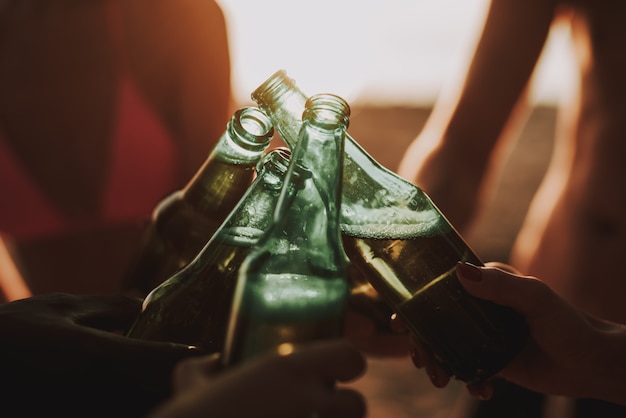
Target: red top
141	171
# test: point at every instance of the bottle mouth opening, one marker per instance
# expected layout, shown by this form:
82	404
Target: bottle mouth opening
279	157
274	83
252	126
328	109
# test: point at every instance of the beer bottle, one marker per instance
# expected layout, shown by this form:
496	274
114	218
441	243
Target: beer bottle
182	223
192	306
407	250
292	287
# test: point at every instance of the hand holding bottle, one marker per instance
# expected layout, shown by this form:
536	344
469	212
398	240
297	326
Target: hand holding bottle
569	352
300	384
59	354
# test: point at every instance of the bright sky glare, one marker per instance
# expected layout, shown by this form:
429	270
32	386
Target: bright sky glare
396	52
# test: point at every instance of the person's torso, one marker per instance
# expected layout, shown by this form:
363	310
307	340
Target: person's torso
79	143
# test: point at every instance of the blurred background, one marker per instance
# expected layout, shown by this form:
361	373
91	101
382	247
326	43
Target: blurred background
391	60
392	53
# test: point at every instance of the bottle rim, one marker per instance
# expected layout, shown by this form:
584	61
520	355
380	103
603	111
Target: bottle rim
252	127
279	157
328	109
271	88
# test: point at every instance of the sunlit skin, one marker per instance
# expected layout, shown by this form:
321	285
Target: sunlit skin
12	286
577	215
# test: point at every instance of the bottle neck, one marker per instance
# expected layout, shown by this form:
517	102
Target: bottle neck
252	216
230	164
284	102
306	221
281	99
317	166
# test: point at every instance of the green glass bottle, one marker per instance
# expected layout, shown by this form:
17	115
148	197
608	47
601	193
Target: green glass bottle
192	306
407	250
184	221
293	286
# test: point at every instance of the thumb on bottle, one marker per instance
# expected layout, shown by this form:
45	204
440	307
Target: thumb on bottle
522	293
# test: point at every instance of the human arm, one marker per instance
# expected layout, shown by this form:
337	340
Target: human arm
62	353
569	352
181	59
451	155
299	384
203	73
12	285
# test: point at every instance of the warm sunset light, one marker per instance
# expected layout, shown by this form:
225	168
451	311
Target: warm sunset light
12	285
393	52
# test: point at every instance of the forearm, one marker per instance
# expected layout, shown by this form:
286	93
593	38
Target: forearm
508	49
12	285
462	137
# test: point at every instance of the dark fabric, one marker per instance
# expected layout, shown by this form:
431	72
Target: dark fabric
591	408
510	401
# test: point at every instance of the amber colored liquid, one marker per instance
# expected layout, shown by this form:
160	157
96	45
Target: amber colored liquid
472	339
185	221
193	306
366	301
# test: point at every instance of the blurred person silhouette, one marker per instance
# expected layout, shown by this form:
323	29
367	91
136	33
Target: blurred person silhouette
63	355
575	227
106	107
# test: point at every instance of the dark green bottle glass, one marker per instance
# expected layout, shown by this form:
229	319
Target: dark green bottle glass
293	286
192	306
184	221
407	250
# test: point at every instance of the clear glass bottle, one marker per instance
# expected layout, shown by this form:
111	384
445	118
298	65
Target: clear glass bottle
407	250
192	306
293	286
184	221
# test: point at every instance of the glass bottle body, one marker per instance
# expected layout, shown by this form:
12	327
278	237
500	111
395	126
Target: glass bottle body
192	306
293	287
184	221
406	249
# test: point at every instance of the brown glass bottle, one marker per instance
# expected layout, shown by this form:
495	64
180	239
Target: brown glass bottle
184	221
192	306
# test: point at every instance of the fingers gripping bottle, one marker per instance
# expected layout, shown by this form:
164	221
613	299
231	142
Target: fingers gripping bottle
407	250
183	222
293	286
192	306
